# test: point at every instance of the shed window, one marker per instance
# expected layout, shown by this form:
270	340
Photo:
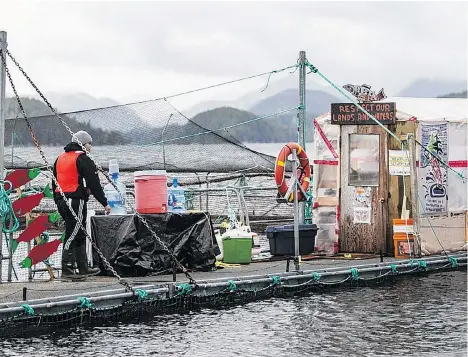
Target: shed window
364	157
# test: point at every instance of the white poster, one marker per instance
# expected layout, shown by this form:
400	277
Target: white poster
432	173
362	205
362	215
398	163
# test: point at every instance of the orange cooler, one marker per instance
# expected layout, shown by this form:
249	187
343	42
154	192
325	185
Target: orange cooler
151	191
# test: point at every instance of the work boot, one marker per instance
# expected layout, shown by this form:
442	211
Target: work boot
82	262
68	266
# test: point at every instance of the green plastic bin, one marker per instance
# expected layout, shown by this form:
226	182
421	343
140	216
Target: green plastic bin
237	250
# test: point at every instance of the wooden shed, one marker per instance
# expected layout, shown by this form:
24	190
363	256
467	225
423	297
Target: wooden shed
362	174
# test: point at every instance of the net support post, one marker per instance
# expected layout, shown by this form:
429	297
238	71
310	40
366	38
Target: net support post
414	192
296	186
301	125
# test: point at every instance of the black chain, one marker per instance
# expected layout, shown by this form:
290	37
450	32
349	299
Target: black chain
49	168
99	167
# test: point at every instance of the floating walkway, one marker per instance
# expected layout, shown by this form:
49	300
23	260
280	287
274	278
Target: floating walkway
45	307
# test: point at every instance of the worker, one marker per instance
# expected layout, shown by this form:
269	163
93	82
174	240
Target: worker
77	176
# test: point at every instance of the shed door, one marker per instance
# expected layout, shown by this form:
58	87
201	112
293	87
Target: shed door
364	189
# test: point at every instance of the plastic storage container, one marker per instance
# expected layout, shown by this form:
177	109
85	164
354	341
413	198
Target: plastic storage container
176	197
237	247
401	227
281	239
115	199
150	191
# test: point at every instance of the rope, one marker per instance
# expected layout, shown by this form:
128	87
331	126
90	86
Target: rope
142	294
177	94
6	210
354	273
276	71
276	280
231	286
233	81
422	264
425	214
84	302
28	309
236	142
411	251
98	166
439	159
453	262
49	168
315	70
228	127
184	289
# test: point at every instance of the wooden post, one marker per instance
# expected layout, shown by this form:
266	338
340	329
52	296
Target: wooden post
414	192
397	185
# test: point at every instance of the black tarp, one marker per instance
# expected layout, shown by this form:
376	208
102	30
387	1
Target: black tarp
133	251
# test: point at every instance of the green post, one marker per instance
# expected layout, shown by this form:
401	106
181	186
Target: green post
304	214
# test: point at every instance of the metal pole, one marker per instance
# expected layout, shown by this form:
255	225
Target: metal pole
296	213
414	190
3	46
301	125
162	139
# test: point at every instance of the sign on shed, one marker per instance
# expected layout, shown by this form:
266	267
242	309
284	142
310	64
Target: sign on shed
350	114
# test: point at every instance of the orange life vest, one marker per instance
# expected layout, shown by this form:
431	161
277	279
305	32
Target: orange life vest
67	172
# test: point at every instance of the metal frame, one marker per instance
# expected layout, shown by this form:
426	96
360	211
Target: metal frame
327	276
293	186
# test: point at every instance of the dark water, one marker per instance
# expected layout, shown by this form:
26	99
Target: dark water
414	317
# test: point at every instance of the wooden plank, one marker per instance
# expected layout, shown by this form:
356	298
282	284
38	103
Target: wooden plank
396	187
327	201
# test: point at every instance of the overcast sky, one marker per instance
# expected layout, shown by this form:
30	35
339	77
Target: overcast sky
132	51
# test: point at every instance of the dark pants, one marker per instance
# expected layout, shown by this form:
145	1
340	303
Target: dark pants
74	236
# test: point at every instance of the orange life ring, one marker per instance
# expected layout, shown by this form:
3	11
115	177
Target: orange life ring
303	172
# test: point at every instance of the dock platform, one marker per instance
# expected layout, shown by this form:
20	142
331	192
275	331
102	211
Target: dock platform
41	306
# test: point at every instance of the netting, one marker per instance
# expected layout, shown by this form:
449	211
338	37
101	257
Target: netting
151	135
192	299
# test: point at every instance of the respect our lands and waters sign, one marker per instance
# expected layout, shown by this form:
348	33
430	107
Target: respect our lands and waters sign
350	114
